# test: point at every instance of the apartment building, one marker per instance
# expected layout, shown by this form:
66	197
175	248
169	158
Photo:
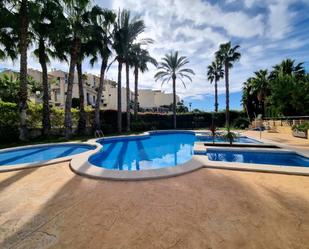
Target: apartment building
153	99
59	85
58	81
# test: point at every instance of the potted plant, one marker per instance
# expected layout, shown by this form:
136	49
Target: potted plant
301	130
230	136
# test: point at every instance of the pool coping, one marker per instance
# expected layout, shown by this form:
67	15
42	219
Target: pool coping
13	167
81	166
266	168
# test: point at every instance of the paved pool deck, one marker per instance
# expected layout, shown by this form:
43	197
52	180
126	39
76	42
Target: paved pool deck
284	140
51	207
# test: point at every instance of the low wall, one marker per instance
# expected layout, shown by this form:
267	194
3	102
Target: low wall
284	129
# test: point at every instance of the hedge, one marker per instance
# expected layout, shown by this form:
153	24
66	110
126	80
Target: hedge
9	119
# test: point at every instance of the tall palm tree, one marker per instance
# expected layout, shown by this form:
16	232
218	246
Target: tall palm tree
172	68
227	55
139	59
77	13
126	31
80	80
101	42
45	29
23	47
215	73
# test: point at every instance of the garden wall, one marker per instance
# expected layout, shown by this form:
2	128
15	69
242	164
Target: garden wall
9	120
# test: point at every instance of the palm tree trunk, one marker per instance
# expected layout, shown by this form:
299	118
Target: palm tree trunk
46	111
227	97
82	114
135	92
174	102
128	96
97	123
68	101
23	92
119	110
216	96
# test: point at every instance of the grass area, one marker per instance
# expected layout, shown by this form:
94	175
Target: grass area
58	139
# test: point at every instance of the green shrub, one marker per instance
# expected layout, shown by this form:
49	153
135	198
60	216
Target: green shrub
8	122
34	115
241	123
56	117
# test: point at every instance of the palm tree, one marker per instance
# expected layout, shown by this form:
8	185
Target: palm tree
8	33
45	30
288	67
260	85
23	47
227	55
249	98
77	14
215	73
172	67
126	31
80	79
101	42
139	59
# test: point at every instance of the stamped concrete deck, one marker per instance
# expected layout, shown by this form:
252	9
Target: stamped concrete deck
51	207
285	140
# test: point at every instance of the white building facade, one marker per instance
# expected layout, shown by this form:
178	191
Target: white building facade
58	82
154	98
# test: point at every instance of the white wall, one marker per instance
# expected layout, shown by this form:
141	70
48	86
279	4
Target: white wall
146	98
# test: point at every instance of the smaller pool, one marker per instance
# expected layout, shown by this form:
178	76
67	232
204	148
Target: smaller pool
41	153
284	159
241	139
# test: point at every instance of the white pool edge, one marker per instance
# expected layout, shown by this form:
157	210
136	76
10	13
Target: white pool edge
81	166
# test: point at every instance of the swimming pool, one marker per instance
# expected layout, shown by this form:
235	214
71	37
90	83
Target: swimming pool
258	157
39	153
159	150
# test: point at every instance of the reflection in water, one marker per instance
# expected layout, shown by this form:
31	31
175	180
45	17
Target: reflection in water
156	151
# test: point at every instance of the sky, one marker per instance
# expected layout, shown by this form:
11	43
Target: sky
267	31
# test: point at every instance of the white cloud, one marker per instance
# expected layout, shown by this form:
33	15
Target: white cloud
279	19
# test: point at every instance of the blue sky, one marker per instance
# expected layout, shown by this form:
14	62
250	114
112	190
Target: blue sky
267	31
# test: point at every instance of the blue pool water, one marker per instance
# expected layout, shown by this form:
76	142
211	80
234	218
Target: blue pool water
287	159
240	139
155	151
41	153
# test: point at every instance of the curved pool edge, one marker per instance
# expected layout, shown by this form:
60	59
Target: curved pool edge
20	166
83	167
